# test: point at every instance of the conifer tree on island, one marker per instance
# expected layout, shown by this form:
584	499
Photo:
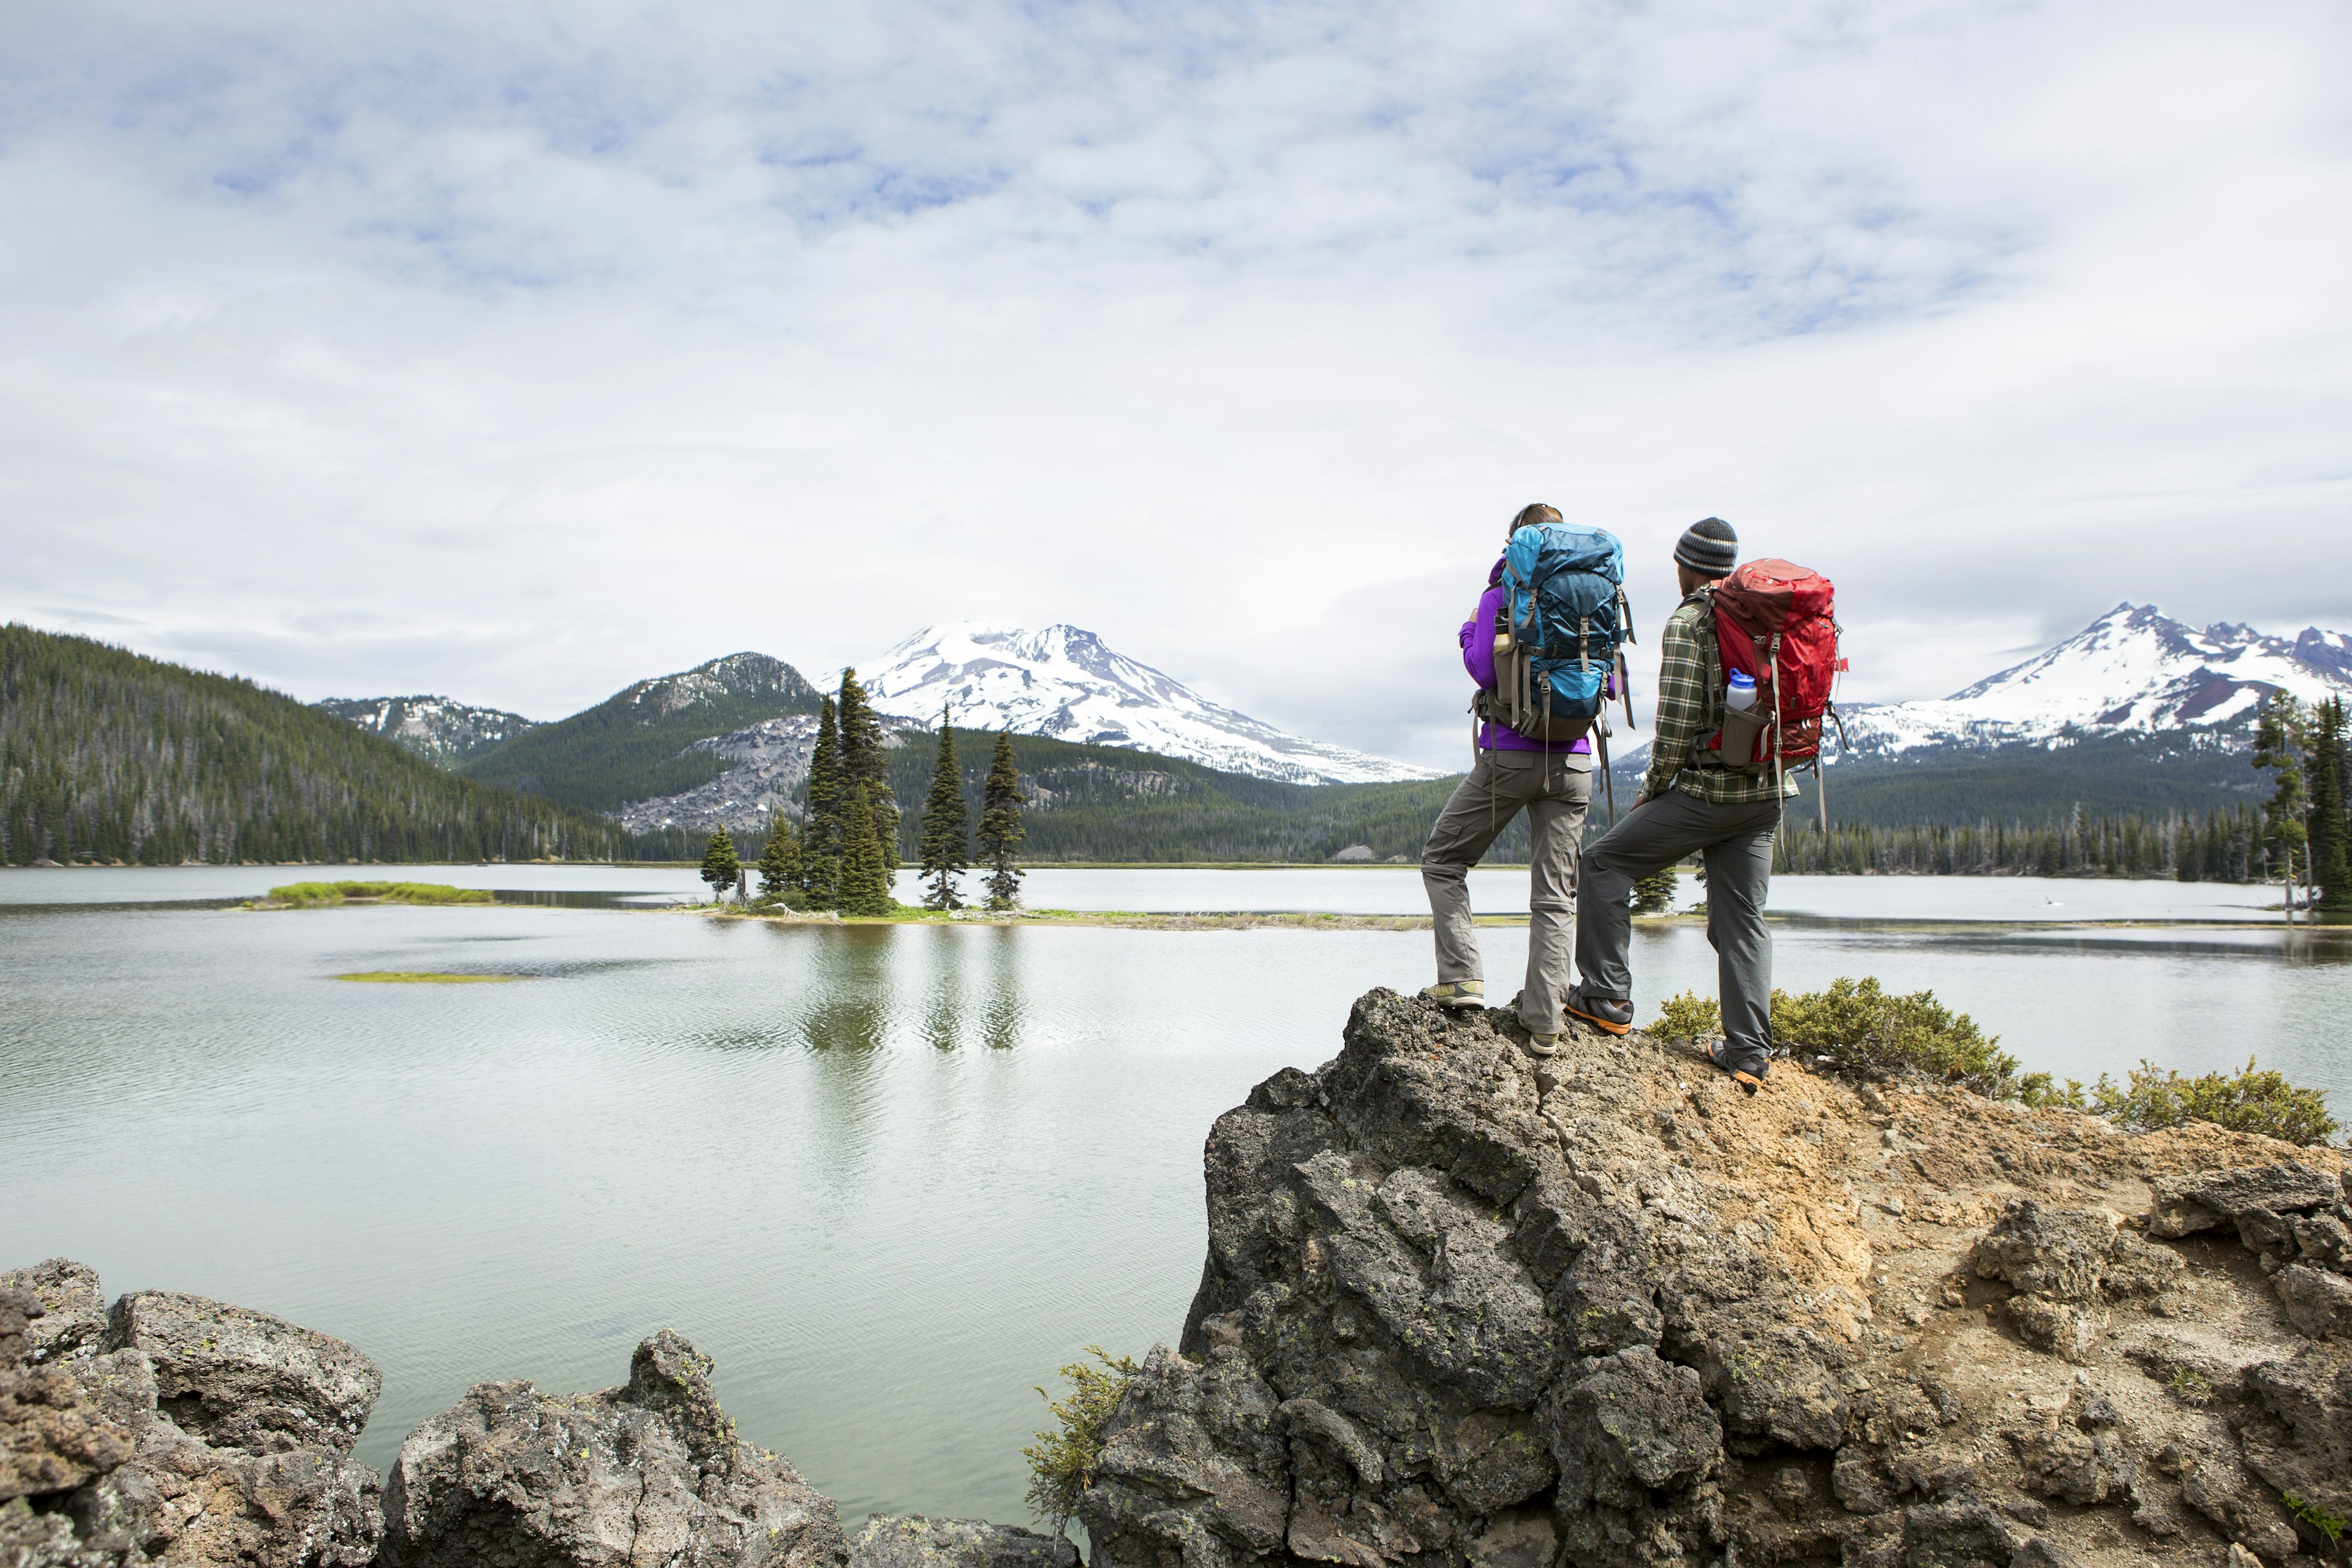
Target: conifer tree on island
2278	746
1654	895
864	762
999	827
2331	854
821	815
780	862
944	845
864	886
720	865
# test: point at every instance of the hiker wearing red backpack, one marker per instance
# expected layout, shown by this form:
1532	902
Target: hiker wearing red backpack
1542	648
1743	680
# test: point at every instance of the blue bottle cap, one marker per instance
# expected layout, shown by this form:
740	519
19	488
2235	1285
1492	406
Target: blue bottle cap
1742	679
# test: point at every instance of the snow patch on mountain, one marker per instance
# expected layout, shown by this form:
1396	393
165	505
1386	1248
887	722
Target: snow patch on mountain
1061	681
2134	670
438	729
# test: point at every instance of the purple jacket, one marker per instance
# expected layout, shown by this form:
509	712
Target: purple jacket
1478	658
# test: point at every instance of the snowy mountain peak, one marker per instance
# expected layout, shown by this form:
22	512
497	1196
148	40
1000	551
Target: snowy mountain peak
2134	670
1065	682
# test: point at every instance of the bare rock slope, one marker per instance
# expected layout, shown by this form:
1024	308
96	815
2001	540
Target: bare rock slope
1463	1306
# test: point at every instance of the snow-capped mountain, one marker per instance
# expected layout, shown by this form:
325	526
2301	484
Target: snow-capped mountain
2134	670
1062	682
438	729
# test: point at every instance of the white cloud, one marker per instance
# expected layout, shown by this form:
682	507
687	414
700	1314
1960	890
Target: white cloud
519	352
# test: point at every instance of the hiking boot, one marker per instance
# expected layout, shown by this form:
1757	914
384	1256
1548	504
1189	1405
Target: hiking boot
1720	1056
1543	1045
1459	995
1610	1014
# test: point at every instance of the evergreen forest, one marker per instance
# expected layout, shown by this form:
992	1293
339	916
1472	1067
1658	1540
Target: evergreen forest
108	756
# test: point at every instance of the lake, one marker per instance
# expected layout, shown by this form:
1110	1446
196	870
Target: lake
890	1177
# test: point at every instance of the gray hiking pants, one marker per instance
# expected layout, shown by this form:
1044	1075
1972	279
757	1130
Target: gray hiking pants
1554	794
1735	844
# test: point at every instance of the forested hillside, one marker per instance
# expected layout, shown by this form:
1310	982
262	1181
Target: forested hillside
1105	802
106	755
2033	785
634	744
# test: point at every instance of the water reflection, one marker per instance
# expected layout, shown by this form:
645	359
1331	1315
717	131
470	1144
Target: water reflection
849	985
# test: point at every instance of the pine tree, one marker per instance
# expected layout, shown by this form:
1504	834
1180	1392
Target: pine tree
944	845
865	760
2278	746
821	817
1654	895
2331	856
780	862
865	888
999	827
719	867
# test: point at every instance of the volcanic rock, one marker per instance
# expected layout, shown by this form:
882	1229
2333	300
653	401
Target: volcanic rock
911	1540
242	1379
1463	1306
98	1472
651	1472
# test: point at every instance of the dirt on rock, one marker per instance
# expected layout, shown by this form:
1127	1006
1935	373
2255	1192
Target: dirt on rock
1464	1305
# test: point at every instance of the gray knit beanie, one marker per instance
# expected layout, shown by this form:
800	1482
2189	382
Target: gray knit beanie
1708	547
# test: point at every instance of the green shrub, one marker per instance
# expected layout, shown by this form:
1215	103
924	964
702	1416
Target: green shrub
1689	1016
1062	1462
1863	1029
2248	1101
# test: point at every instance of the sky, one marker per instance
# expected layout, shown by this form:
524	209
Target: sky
519	352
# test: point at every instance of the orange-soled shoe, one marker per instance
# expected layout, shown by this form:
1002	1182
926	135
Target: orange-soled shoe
1611	1015
1748	1081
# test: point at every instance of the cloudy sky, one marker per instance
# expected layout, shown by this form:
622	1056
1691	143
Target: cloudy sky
519	350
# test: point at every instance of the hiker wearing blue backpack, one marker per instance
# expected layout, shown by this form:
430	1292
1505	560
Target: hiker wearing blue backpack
1714	790
1542	646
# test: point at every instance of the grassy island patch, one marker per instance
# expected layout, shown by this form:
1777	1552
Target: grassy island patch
419	977
322	895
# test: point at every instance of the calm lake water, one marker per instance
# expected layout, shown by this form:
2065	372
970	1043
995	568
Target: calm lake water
889	1177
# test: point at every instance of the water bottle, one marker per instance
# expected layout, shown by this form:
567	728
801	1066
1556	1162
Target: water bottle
1736	747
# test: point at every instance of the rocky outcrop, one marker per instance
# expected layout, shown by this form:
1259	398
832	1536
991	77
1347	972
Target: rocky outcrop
651	1472
911	1540
1463	1306
176	1429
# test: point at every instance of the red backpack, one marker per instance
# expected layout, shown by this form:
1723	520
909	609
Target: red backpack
1775	622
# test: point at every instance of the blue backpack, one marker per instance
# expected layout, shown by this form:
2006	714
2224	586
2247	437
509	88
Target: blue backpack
1565	620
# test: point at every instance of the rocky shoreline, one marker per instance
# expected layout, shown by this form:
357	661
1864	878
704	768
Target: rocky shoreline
1462	1307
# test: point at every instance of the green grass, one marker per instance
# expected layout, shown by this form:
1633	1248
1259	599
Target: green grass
420	977
316	895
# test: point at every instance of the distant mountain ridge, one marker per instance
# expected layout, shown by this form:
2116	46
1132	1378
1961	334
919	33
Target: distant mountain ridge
640	744
2133	671
1065	683
438	729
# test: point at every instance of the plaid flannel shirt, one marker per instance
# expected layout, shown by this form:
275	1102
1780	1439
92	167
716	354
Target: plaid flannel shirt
1690	680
